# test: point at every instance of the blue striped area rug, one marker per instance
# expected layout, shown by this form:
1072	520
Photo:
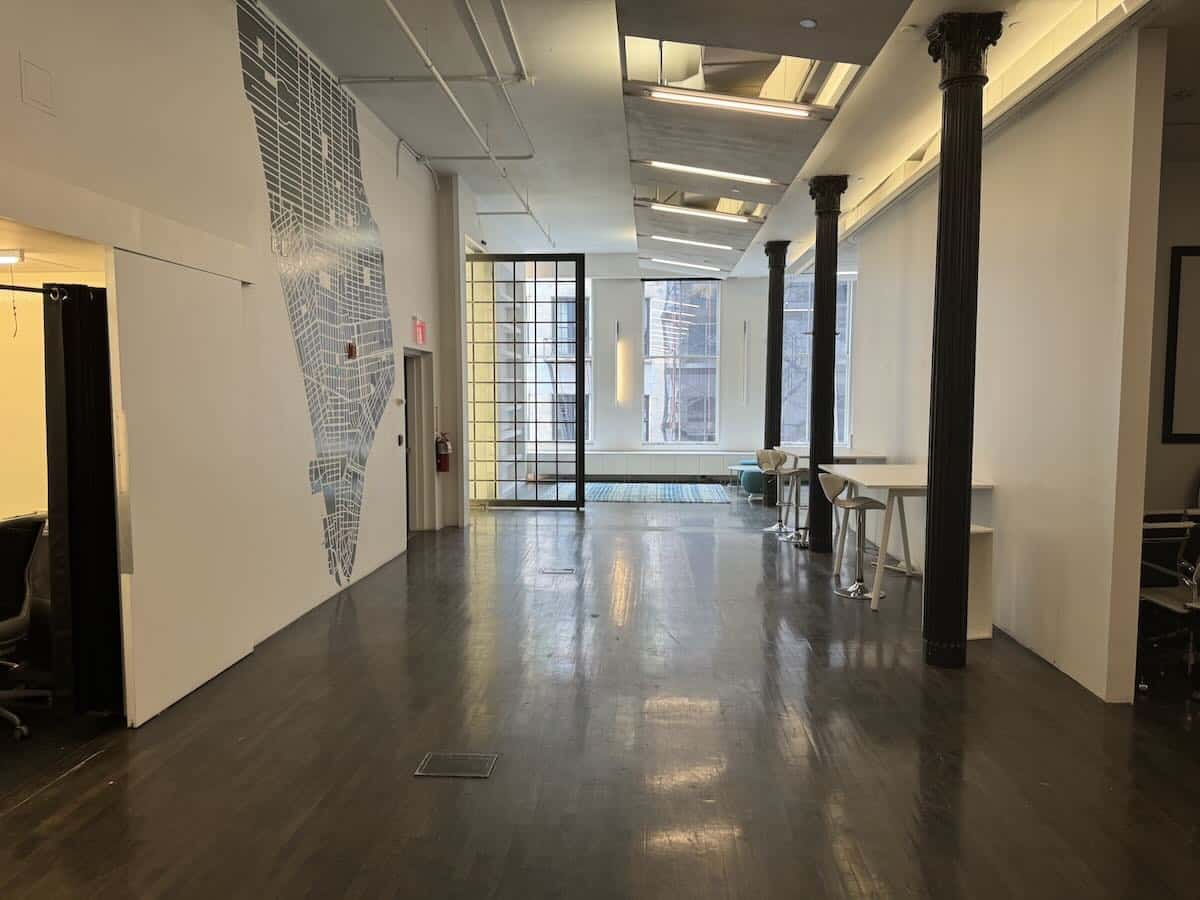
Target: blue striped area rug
613	492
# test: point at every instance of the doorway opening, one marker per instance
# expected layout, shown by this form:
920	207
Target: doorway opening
525	379
61	666
420	464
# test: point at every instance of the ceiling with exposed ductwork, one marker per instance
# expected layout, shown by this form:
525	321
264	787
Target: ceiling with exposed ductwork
624	112
579	154
577	181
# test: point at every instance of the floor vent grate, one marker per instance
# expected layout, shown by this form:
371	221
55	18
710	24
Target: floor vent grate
457	765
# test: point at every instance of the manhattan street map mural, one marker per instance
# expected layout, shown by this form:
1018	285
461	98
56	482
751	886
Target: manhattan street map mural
330	261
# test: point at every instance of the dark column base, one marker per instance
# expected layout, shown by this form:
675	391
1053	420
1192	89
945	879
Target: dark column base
946	656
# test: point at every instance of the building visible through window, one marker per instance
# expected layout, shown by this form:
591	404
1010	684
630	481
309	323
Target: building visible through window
797	359
680	348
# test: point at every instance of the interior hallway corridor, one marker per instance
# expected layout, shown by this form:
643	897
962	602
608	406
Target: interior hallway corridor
691	714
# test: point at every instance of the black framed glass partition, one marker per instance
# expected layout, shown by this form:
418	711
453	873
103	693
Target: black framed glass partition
526	328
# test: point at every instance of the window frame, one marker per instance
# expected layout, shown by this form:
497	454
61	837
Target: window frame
850	279
685	445
589	401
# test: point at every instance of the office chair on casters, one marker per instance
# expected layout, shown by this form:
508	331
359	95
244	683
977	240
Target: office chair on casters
1169	612
18	539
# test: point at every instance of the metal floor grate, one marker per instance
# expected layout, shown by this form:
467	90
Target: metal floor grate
457	765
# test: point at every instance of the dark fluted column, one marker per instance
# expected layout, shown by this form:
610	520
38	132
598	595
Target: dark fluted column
826	191
773	393
959	41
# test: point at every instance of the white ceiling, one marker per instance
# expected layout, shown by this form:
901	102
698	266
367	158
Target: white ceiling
770	147
847	30
767	146
579	180
893	111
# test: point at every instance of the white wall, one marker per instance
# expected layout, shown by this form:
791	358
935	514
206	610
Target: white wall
1064	314
23	486
1172	470
23	476
618	421
458	225
170	166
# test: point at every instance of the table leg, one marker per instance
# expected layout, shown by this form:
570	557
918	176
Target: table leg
841	544
907	568
882	555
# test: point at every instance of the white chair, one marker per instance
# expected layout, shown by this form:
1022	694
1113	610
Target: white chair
774	464
833	486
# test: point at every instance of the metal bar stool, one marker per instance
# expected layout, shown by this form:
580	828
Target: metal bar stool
798	536
774	465
833	486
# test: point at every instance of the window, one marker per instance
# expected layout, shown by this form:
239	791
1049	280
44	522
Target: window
680	346
797	358
587	359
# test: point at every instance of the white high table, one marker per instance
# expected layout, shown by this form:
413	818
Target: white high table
799	452
900	481
798	459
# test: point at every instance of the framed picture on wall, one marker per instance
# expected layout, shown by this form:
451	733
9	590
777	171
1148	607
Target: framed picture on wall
1181	394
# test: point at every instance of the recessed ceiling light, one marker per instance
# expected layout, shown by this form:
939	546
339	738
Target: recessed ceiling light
675	240
686	265
11	257
710	173
808	23
761	107
704	213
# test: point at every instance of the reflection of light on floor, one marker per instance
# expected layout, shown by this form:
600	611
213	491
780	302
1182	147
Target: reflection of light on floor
673	709
622	592
794	738
691	840
685	776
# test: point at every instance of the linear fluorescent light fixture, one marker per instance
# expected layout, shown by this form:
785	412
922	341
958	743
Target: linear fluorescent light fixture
703	213
686	265
11	257
760	107
674	240
711	173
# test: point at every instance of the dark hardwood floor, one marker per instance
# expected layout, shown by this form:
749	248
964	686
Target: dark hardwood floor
693	714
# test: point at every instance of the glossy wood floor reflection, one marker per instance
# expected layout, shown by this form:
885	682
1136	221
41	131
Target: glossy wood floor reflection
693	714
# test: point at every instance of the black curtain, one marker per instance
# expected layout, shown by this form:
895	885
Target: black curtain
84	579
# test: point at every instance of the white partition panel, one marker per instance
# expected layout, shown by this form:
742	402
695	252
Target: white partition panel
180	350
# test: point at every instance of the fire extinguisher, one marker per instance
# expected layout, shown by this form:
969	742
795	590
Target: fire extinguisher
443	448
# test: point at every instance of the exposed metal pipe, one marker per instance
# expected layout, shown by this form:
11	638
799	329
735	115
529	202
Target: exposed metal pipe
424	79
450	95
487	52
417	157
498	156
512	37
